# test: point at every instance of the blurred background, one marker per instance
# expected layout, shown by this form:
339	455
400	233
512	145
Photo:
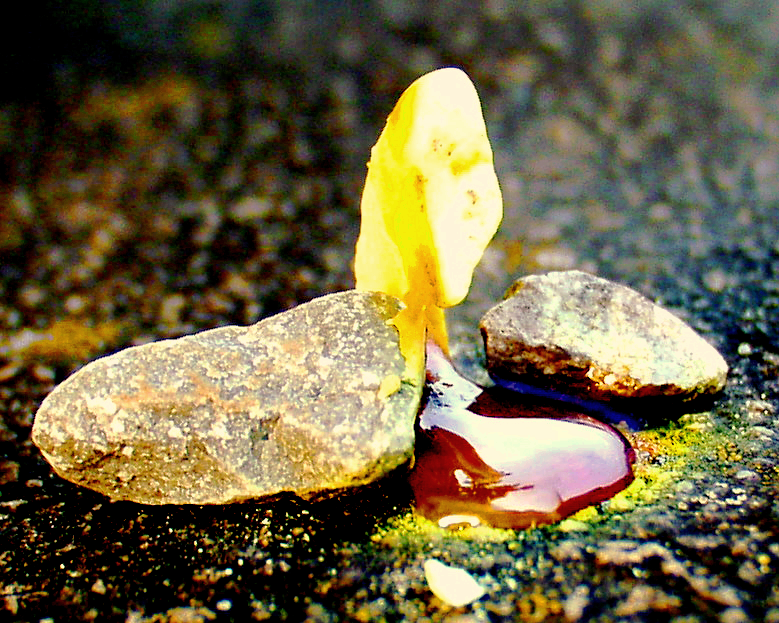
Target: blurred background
182	164
234	134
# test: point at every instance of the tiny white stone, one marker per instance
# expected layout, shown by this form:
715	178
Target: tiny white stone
452	585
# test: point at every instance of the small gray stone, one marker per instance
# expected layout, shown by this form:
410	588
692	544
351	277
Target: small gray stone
302	401
579	334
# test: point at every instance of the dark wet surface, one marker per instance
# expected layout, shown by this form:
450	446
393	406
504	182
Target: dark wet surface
161	180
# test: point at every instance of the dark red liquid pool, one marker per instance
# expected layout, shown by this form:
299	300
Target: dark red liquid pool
490	456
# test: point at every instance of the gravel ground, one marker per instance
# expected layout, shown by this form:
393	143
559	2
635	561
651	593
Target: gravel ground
198	166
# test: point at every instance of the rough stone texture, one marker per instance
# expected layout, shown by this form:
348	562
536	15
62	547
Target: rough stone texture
574	332
295	402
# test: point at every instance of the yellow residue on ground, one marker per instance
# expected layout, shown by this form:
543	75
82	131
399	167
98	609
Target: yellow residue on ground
410	530
666	442
66	339
537	607
133	111
588	513
390	384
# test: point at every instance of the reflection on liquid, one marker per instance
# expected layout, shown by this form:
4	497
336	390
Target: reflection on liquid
489	456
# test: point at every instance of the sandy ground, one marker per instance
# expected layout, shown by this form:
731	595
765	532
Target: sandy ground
176	169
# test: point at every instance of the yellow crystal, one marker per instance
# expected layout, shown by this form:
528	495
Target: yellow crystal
430	206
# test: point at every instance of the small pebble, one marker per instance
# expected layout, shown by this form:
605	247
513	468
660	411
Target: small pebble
716	280
575	333
685	486
734	615
8	371
224	605
744	349
575	604
99	587
452	585
43	373
747	475
76	304
9	471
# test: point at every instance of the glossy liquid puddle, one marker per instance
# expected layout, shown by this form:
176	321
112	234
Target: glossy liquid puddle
488	456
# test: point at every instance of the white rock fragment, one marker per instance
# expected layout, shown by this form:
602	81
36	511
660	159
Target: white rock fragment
452	585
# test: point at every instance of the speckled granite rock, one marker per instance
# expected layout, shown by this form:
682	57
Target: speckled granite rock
573	332
301	401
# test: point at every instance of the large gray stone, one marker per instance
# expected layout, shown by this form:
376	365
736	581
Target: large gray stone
579	334
297	402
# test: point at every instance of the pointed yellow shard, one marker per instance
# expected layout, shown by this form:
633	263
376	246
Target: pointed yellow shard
430	206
